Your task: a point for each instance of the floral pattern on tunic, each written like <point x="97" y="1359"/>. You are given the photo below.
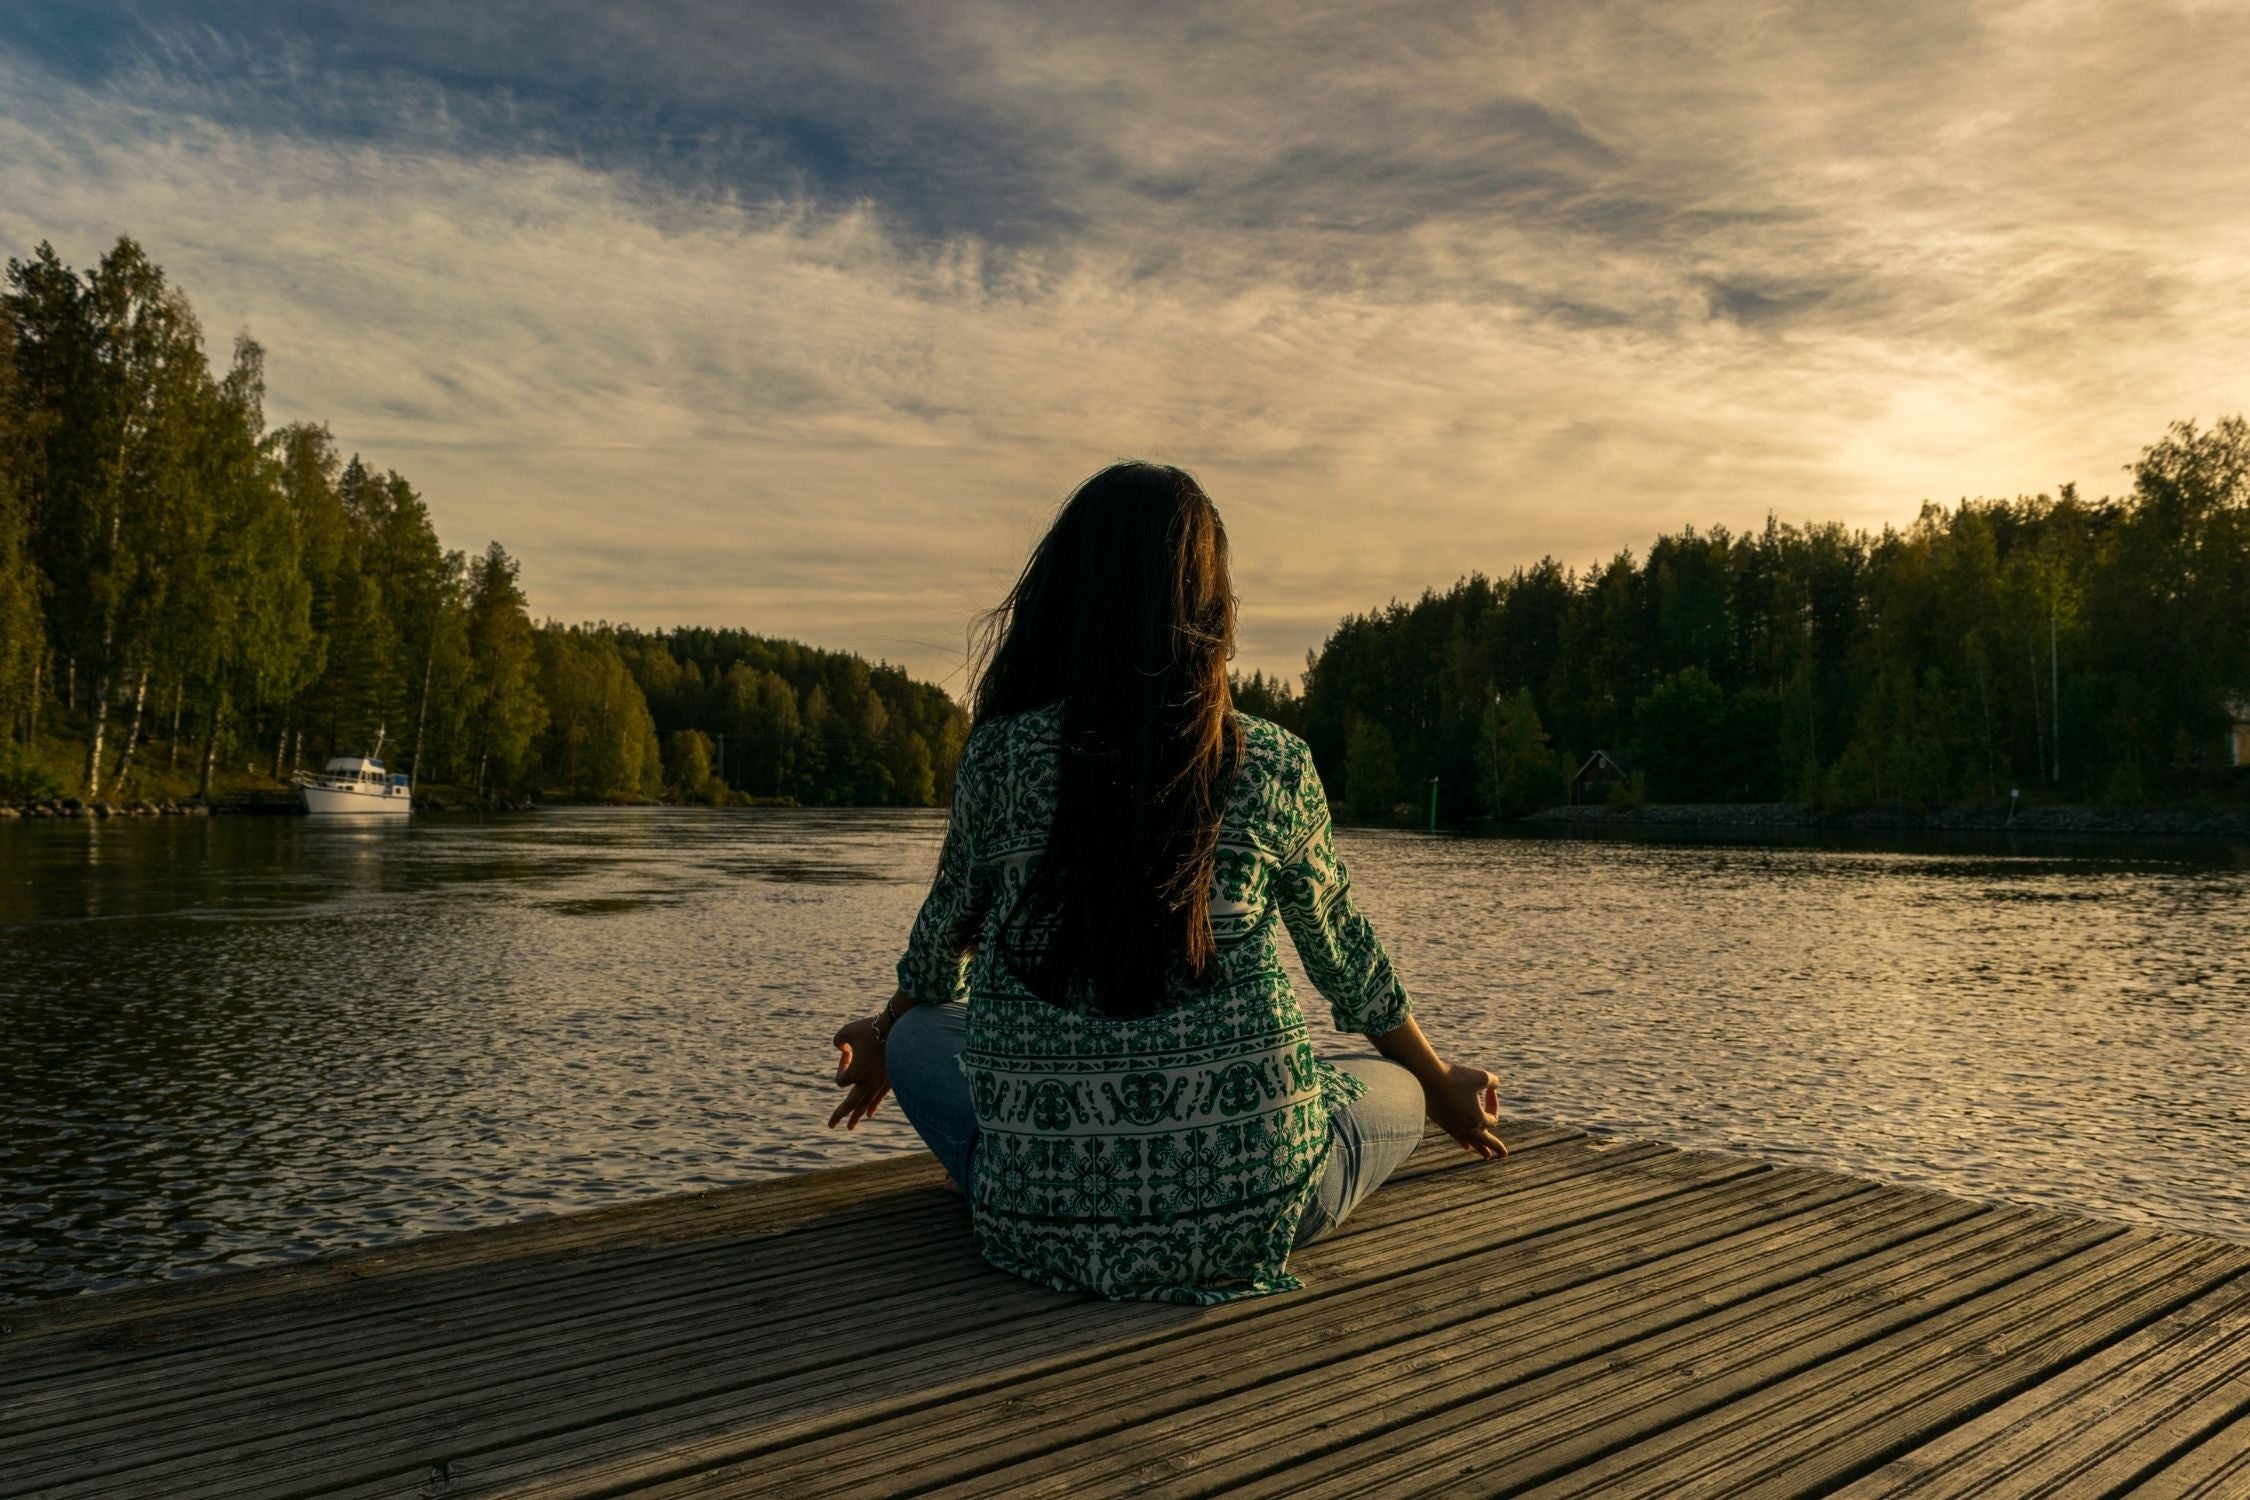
<point x="1167" y="1157"/>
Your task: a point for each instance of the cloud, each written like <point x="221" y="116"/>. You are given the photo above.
<point x="804" y="318"/>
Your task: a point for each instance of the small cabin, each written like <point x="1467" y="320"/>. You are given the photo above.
<point x="2234" y="743"/>
<point x="1603" y="769"/>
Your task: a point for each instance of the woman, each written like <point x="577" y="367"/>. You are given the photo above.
<point x="1092" y="1028"/>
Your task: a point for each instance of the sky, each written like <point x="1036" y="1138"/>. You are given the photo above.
<point x="804" y="318"/>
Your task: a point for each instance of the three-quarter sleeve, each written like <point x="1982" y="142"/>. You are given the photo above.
<point x="1341" y="953"/>
<point x="935" y="966"/>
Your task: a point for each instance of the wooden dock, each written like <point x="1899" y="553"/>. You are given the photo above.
<point x="1590" y="1316"/>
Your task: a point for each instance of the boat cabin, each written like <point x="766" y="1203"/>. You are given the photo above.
<point x="359" y="771"/>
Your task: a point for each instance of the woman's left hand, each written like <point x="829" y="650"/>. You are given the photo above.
<point x="863" y="1070"/>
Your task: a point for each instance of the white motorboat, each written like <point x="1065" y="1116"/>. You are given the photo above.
<point x="356" y="784"/>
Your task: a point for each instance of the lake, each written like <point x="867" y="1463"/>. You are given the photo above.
<point x="229" y="1042"/>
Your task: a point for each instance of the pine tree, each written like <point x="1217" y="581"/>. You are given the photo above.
<point x="23" y="642"/>
<point x="508" y="713"/>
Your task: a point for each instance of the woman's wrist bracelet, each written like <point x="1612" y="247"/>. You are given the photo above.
<point x="884" y="1021"/>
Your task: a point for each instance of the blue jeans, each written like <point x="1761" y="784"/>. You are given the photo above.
<point x="1367" y="1141"/>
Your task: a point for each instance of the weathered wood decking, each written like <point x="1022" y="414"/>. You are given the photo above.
<point x="1589" y="1316"/>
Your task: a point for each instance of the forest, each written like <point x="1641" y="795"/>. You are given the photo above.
<point x="2055" y="647"/>
<point x="191" y="600"/>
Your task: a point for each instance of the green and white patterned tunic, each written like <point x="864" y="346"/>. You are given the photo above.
<point x="1167" y="1157"/>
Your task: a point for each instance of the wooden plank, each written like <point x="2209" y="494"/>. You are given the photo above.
<point x="1378" y="1258"/>
<point x="2099" y="1424"/>
<point x="1591" y="1314"/>
<point x="591" y="1460"/>
<point x="1248" y="1445"/>
<point x="551" y="1261"/>
<point x="1440" y="1152"/>
<point x="306" y="1433"/>
<point x="1314" y="1384"/>
<point x="199" y="1403"/>
<point x="815" y="1265"/>
<point x="1825" y="1419"/>
<point x="595" y="1349"/>
<point x="756" y="1208"/>
<point x="2216" y="1468"/>
<point x="895" y="1218"/>
<point x="1580" y="1411"/>
<point x="1127" y="1397"/>
<point x="460" y="1307"/>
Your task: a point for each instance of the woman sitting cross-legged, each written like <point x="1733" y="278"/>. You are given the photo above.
<point x="1092" y="1029"/>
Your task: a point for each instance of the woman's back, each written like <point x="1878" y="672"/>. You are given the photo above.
<point x="1169" y="1155"/>
<point x="1129" y="1094"/>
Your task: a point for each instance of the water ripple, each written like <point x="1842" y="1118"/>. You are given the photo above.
<point x="234" y="1042"/>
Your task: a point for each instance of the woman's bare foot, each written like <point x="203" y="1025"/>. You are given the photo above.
<point x="950" y="1185"/>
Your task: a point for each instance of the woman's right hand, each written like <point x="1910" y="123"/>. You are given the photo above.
<point x="1465" y="1103"/>
<point x="863" y="1069"/>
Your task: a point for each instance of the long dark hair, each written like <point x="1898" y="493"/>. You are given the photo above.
<point x="1125" y="617"/>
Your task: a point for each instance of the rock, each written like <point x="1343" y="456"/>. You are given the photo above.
<point x="9" y="812"/>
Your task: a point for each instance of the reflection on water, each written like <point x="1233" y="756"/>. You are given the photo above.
<point x="237" y="1041"/>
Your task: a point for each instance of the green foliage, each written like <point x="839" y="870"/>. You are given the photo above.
<point x="1517" y="772"/>
<point x="1696" y="742"/>
<point x="599" y="742"/>
<point x="507" y="712"/>
<point x="23" y="778"/>
<point x="23" y="644"/>
<point x="259" y="597"/>
<point x="2076" y="649"/>
<point x="172" y="573"/>
<point x="1624" y="796"/>
<point x="1371" y="785"/>
<point x="822" y="728"/>
<point x="687" y="766"/>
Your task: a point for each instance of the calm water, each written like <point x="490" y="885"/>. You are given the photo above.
<point x="236" y="1041"/>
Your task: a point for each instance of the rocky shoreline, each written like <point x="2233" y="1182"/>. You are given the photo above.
<point x="71" y="807"/>
<point x="1787" y="815"/>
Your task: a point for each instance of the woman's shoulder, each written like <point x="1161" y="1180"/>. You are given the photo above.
<point x="1000" y="740"/>
<point x="1271" y="755"/>
<point x="1273" y="776"/>
<point x="1269" y="746"/>
<point x="1043" y="722"/>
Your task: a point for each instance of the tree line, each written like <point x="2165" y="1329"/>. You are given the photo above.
<point x="179" y="581"/>
<point x="2060" y="647"/>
